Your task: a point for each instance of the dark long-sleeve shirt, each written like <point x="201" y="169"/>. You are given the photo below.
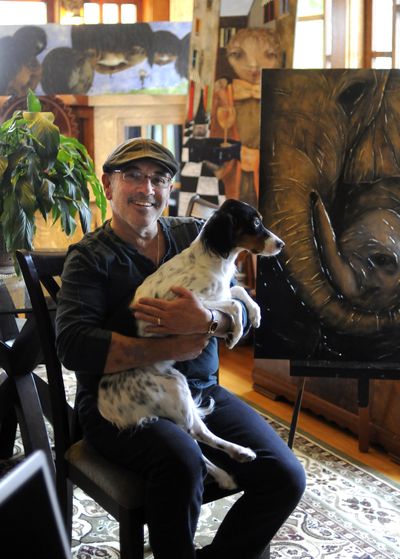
<point x="100" y="277"/>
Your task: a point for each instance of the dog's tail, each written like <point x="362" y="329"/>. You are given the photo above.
<point x="204" y="409"/>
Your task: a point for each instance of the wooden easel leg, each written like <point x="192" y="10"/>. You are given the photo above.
<point x="296" y="412"/>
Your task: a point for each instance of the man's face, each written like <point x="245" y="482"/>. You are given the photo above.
<point x="135" y="201"/>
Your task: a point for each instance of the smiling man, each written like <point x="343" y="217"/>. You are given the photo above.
<point x="96" y="335"/>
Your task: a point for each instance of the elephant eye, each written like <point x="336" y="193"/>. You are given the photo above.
<point x="350" y="97"/>
<point x="381" y="260"/>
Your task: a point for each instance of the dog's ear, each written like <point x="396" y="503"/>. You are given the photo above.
<point x="218" y="233"/>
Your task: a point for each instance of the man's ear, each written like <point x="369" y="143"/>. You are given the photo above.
<point x="105" y="179"/>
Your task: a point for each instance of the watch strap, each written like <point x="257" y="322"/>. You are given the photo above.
<point x="212" y="327"/>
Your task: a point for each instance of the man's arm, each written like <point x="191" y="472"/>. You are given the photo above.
<point x="125" y="352"/>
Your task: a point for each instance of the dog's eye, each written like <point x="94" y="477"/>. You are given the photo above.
<point x="257" y="222"/>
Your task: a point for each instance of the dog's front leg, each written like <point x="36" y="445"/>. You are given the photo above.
<point x="234" y="310"/>
<point x="252" y="307"/>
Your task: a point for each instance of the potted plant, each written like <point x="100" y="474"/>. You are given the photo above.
<point x="42" y="171"/>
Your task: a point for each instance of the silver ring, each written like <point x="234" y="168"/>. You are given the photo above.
<point x="158" y="321"/>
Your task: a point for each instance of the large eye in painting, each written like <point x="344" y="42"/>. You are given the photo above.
<point x="380" y="260"/>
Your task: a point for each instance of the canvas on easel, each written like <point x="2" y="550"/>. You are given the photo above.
<point x="221" y="143"/>
<point x="330" y="188"/>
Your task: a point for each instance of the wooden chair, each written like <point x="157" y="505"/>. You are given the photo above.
<point x="116" y="489"/>
<point x="200" y="207"/>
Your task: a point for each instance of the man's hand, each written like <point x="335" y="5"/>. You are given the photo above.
<point x="188" y="347"/>
<point x="184" y="314"/>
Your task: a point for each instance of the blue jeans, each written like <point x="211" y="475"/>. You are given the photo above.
<point x="171" y="464"/>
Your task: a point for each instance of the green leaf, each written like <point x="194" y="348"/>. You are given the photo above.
<point x="85" y="218"/>
<point x="25" y="194"/>
<point x="17" y="226"/>
<point x="45" y="134"/>
<point x="44" y="197"/>
<point x="68" y="223"/>
<point x="3" y="166"/>
<point x="32" y="102"/>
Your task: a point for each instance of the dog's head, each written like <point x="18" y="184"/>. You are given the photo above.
<point x="238" y="225"/>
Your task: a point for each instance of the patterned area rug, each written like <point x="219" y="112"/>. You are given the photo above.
<point x="346" y="512"/>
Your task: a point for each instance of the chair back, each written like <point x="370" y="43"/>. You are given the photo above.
<point x="40" y="270"/>
<point x="200" y="207"/>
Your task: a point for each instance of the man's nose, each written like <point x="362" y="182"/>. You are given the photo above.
<point x="146" y="185"/>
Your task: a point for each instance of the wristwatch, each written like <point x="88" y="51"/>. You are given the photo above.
<point x="212" y="327"/>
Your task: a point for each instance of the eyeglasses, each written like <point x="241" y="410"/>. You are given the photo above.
<point x="135" y="177"/>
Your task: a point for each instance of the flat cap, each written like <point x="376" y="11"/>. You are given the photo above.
<point x="140" y="148"/>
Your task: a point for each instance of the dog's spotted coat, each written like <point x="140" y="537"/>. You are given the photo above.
<point x="206" y="267"/>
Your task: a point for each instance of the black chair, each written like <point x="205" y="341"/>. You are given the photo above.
<point x="117" y="490"/>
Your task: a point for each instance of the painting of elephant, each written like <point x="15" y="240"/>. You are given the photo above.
<point x="330" y="188"/>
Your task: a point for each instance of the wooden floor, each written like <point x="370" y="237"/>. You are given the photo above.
<point x="235" y="374"/>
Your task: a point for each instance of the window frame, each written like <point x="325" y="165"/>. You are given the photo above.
<point x="369" y="54"/>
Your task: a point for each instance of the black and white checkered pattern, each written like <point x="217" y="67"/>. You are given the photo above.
<point x="197" y="178"/>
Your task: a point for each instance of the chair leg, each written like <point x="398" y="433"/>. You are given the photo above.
<point x="131" y="535"/>
<point x="30" y="417"/>
<point x="65" y="493"/>
<point x="8" y="418"/>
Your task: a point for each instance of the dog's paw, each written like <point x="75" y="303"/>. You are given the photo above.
<point x="254" y="315"/>
<point x="243" y="454"/>
<point x="232" y="338"/>
<point x="225" y="480"/>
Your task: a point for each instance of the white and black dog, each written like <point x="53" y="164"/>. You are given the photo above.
<point x="206" y="267"/>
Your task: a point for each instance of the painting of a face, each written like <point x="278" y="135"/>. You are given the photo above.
<point x="250" y="50"/>
<point x="110" y="62"/>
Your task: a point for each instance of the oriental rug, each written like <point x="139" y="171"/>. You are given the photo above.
<point x="347" y="511"/>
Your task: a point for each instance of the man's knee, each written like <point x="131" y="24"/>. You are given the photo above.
<point x="293" y="480"/>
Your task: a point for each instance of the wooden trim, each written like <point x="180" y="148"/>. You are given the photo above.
<point x="367" y="62"/>
<point x="53" y="11"/>
<point x="287" y="390"/>
<point x="155" y="10"/>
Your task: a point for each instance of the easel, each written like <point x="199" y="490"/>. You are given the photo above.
<point x="363" y="372"/>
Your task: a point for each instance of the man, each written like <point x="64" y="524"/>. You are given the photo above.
<point x="96" y="336"/>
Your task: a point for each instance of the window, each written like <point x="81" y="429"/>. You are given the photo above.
<point x="313" y="37"/>
<point x="25" y="13"/>
<point x="100" y="12"/>
<point x="382" y="34"/>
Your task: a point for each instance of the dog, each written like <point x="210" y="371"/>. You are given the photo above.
<point x="206" y="267"/>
